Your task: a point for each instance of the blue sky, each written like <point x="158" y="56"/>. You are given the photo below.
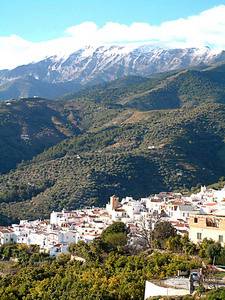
<point x="31" y="30"/>
<point x="38" y="20"/>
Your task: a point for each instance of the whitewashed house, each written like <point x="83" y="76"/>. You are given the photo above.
<point x="7" y="236"/>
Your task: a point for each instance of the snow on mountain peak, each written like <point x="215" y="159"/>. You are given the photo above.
<point x="96" y="64"/>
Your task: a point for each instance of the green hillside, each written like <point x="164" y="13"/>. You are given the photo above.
<point x="165" y="91"/>
<point x="29" y="126"/>
<point x="135" y="153"/>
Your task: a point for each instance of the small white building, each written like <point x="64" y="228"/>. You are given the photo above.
<point x="133" y="208"/>
<point x="7" y="235"/>
<point x="180" y="211"/>
<point x="154" y="204"/>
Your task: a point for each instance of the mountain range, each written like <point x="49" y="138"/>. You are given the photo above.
<point x="56" y="76"/>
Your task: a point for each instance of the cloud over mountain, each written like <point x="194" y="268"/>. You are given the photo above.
<point x="204" y="29"/>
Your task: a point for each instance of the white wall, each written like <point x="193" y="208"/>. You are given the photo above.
<point x="206" y="233"/>
<point x="153" y="290"/>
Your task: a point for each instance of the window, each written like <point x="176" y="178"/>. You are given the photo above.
<point x="221" y="238"/>
<point x="199" y="236"/>
<point x="212" y="222"/>
<point x="195" y="220"/>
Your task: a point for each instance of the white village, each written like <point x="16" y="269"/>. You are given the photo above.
<point x="200" y="215"/>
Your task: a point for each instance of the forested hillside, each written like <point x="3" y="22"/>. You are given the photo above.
<point x="30" y="126"/>
<point x="134" y="153"/>
<point x="163" y="91"/>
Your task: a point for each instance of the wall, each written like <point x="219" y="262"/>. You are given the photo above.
<point x="203" y="227"/>
<point x="153" y="290"/>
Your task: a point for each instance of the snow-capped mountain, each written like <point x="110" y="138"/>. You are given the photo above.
<point x="55" y="76"/>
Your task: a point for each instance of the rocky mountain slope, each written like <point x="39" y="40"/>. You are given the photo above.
<point x="54" y="76"/>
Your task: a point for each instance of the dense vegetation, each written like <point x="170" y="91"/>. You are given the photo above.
<point x="134" y="154"/>
<point x="163" y="91"/>
<point x="29" y="126"/>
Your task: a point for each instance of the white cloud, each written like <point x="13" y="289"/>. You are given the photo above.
<point x="205" y="29"/>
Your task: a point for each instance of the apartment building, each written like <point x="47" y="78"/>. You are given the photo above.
<point x="207" y="226"/>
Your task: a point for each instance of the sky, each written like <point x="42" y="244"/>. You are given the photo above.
<point x="33" y="29"/>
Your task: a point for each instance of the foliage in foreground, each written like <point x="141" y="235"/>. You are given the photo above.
<point x="111" y="271"/>
<point x="119" y="276"/>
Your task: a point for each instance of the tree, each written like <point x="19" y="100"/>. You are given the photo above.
<point x="203" y="247"/>
<point x="116" y="227"/>
<point x="162" y="231"/>
<point x="144" y="239"/>
<point x="213" y="251"/>
<point x="218" y="294"/>
<point x="115" y="235"/>
<point x="116" y="239"/>
<point x="221" y="259"/>
<point x="174" y="243"/>
<point x="187" y="246"/>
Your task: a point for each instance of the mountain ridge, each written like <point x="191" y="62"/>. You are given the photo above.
<point x="175" y="89"/>
<point x="94" y="65"/>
